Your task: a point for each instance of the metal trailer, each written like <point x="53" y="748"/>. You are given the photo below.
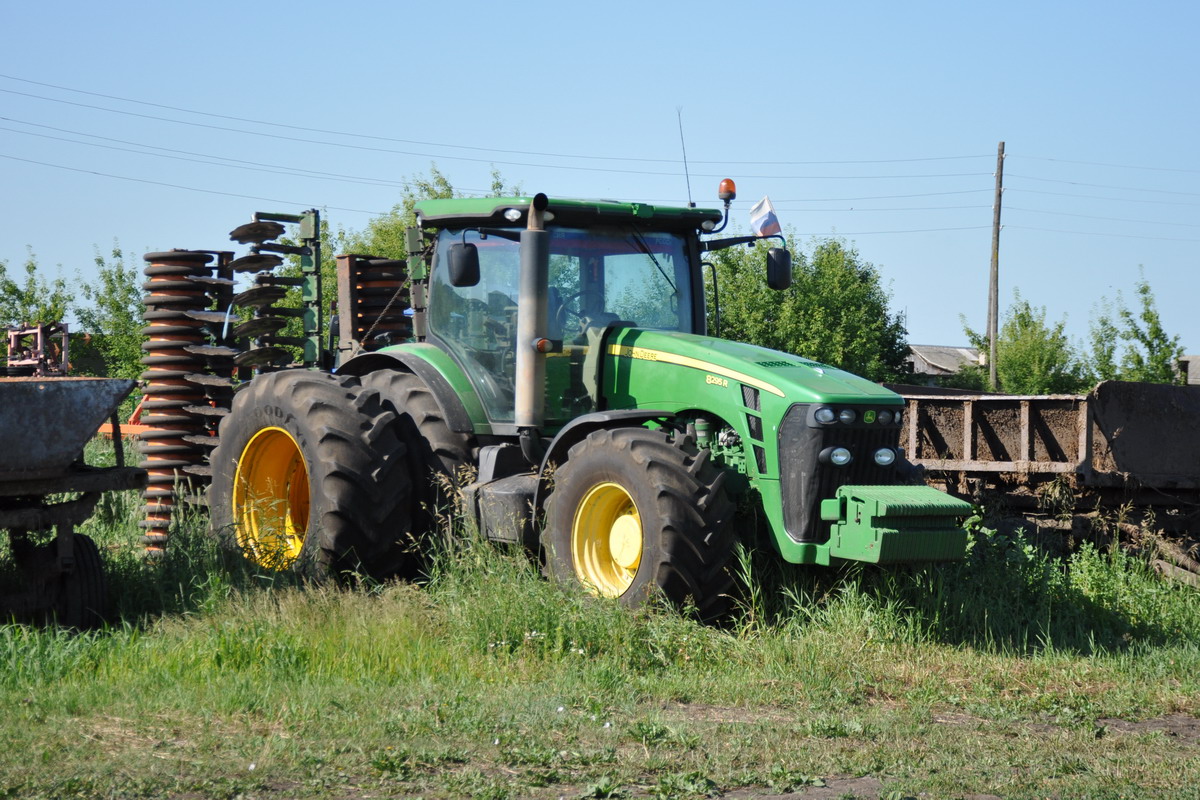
<point x="1122" y="442"/>
<point x="46" y="490"/>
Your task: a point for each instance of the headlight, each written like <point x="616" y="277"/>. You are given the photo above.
<point x="825" y="415"/>
<point x="885" y="456"/>
<point x="838" y="456"/>
<point x="884" y="417"/>
<point x="847" y="416"/>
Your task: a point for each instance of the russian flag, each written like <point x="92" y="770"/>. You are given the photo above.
<point x="763" y="220"/>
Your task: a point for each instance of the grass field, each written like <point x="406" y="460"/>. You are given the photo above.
<point x="1011" y="674"/>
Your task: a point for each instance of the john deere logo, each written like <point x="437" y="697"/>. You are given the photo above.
<point x="868" y="416"/>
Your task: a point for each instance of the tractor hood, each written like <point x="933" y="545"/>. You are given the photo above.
<point x="707" y="363"/>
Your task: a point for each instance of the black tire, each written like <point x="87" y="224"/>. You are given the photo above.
<point x="437" y="454"/>
<point x="681" y="511"/>
<point x="83" y="592"/>
<point x="315" y="456"/>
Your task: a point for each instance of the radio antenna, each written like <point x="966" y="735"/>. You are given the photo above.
<point x="683" y="147"/>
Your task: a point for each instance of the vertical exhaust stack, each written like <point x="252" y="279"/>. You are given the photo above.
<point x="531" y="328"/>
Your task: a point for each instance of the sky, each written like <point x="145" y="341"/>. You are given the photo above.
<point x="161" y="125"/>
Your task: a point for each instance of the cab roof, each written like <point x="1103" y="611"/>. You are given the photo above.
<point x="454" y="212"/>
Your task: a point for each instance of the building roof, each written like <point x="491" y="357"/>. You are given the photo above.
<point x="934" y="359"/>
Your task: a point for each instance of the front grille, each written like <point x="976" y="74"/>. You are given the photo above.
<point x="862" y="442"/>
<point x="805" y="481"/>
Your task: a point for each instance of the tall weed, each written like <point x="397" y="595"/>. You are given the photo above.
<point x="1008" y="595"/>
<point x="500" y="605"/>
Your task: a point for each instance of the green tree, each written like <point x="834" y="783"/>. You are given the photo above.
<point x="1104" y="336"/>
<point x="384" y="235"/>
<point x="36" y="300"/>
<point x="113" y="314"/>
<point x="1151" y="354"/>
<point x="836" y="310"/>
<point x="1033" y="356"/>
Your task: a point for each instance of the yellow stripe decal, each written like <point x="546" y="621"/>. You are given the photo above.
<point x="644" y="354"/>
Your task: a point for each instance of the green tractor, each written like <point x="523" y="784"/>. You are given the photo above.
<point x="557" y="381"/>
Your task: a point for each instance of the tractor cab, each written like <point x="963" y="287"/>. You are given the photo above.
<point x="614" y="275"/>
<point x="609" y="265"/>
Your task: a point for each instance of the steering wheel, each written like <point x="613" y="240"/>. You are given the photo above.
<point x="564" y="309"/>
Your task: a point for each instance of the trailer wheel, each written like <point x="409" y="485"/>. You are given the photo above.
<point x="436" y="453"/>
<point x="309" y="476"/>
<point x="83" y="592"/>
<point x="633" y="512"/>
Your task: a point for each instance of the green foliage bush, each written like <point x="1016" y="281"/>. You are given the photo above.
<point x="1034" y="356"/>
<point x="836" y="310"/>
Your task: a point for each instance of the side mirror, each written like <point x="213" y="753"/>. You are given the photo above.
<point x="779" y="268"/>
<point x="464" y="264"/>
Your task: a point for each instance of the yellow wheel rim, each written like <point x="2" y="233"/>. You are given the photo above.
<point x="270" y="499"/>
<point x="606" y="540"/>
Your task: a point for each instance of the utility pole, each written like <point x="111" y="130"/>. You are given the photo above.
<point x="994" y="280"/>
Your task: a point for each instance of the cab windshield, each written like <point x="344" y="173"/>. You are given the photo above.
<point x="616" y="275"/>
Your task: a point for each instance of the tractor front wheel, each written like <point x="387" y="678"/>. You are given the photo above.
<point x="310" y="476"/>
<point x="635" y="512"/>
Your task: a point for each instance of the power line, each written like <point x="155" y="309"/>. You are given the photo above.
<point x="190" y="153"/>
<point x="189" y="188"/>
<point x="1115" y="166"/>
<point x="379" y="213"/>
<point x="910" y="208"/>
<point x="289" y="170"/>
<point x="1106" y="186"/>
<point x="1098" y="233"/>
<point x="279" y="169"/>
<point x="274" y="169"/>
<point x="477" y="160"/>
<point x="874" y="197"/>
<point x="1099" y="197"/>
<point x="1106" y="219"/>
<point x="358" y="135"/>
<point x="918" y="230"/>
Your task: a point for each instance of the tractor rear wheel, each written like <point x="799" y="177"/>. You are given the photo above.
<point x="310" y="476"/>
<point x="436" y="453"/>
<point x="635" y="512"/>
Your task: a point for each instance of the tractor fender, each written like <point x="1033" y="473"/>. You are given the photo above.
<point x="452" y="408"/>
<point x="579" y="428"/>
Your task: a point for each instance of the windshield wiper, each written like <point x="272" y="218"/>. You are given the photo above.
<point x="640" y="242"/>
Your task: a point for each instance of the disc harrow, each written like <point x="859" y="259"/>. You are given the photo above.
<point x="184" y="351"/>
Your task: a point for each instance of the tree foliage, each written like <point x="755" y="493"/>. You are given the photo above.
<point x="1104" y="337"/>
<point x="384" y="235"/>
<point x="113" y="314"/>
<point x="30" y="301"/>
<point x="34" y="300"/>
<point x="1149" y="354"/>
<point x="1036" y="357"/>
<point x="836" y="310"/>
<point x="1032" y="355"/>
